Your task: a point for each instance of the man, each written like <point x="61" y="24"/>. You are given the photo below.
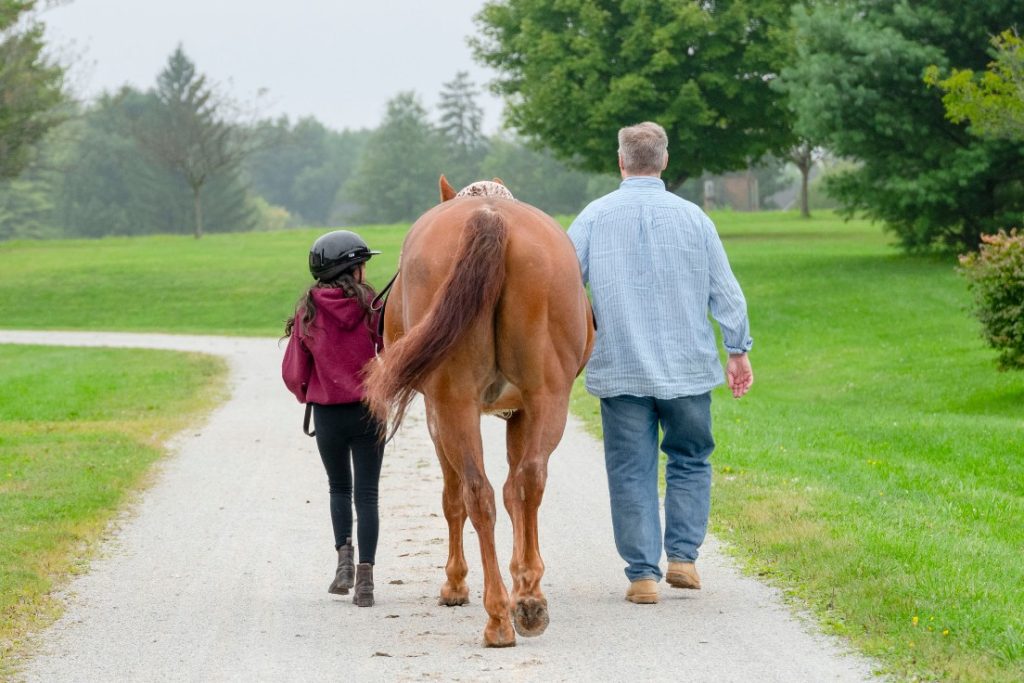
<point x="656" y="266"/>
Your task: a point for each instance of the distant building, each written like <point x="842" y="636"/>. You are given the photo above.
<point x="737" y="191"/>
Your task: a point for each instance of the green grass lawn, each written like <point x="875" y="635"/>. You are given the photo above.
<point x="236" y="284"/>
<point x="875" y="470"/>
<point x="78" y="431"/>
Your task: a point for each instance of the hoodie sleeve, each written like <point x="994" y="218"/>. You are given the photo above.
<point x="297" y="366"/>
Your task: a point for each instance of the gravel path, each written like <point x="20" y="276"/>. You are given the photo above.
<point x="220" y="571"/>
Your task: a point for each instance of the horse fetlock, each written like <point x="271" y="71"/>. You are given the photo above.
<point x="453" y="596"/>
<point x="499" y="633"/>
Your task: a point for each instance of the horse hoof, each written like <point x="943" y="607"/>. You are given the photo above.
<point x="453" y="598"/>
<point x="531" y="616"/>
<point x="501" y="635"/>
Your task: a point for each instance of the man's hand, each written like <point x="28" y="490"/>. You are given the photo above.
<point x="738" y="374"/>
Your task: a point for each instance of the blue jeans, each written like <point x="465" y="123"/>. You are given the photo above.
<point x="631" y="457"/>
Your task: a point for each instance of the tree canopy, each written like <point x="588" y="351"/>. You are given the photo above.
<point x="993" y="102"/>
<point x="396" y="178"/>
<point x="857" y="85"/>
<point x="31" y="86"/>
<point x="575" y="71"/>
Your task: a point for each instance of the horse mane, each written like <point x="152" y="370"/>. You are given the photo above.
<point x="470" y="290"/>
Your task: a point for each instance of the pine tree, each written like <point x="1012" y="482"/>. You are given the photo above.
<point x="31" y="86"/>
<point x="189" y="133"/>
<point x="461" y="119"/>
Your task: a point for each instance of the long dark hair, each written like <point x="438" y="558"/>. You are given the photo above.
<point x="305" y="307"/>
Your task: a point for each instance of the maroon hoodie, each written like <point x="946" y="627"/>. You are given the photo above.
<point x="324" y="363"/>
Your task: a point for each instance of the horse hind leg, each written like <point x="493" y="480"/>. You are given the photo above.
<point x="455" y="591"/>
<point x="532" y="435"/>
<point x="459" y="429"/>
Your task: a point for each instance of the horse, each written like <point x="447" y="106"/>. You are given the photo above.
<point x="487" y="315"/>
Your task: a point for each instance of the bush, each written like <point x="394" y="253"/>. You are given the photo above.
<point x="995" y="275"/>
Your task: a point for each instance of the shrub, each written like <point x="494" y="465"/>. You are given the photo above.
<point x="995" y="276"/>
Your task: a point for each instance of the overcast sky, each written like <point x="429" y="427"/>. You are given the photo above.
<point x="339" y="61"/>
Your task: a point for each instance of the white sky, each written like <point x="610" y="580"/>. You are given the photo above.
<point x="339" y="61"/>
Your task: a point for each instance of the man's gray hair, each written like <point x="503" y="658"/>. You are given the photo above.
<point x="643" y="148"/>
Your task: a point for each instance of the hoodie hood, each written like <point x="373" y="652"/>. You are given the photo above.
<point x="343" y="311"/>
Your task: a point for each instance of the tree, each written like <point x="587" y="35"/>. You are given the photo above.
<point x="994" y="102"/>
<point x="31" y="86"/>
<point x="189" y="133"/>
<point x="302" y="166"/>
<point x="575" y="71"/>
<point x="856" y="86"/>
<point x="460" y="124"/>
<point x="536" y="177"/>
<point x="804" y="155"/>
<point x="396" y="178"/>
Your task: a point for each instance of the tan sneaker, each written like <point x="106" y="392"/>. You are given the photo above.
<point x="643" y="592"/>
<point x="682" y="575"/>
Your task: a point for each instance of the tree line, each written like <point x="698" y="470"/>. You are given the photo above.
<point x="734" y="82"/>
<point x="177" y="158"/>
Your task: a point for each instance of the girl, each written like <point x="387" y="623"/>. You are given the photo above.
<point x="331" y="338"/>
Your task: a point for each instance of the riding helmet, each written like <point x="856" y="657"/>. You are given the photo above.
<point x="334" y="253"/>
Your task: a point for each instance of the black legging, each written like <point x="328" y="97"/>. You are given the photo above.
<point x="347" y="432"/>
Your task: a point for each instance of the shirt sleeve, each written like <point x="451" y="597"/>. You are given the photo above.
<point x="579" y="233"/>
<point x="728" y="306"/>
<point x="297" y="365"/>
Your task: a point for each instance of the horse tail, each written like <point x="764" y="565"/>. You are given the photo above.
<point x="470" y="290"/>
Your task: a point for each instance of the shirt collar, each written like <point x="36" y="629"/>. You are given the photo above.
<point x="643" y="181"/>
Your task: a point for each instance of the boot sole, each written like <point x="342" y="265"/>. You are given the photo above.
<point x="681" y="582"/>
<point x="643" y="599"/>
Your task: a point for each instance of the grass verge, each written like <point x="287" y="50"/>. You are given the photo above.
<point x="79" y="429"/>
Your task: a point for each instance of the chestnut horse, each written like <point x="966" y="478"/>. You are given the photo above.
<point x="488" y="315"/>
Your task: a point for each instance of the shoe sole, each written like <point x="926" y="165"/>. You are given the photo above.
<point x="677" y="581"/>
<point x="643" y="599"/>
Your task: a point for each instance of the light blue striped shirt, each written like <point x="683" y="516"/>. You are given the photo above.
<point x="655" y="265"/>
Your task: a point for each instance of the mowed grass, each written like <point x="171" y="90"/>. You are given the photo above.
<point x="79" y="429"/>
<point x="234" y="284"/>
<point x="875" y="471"/>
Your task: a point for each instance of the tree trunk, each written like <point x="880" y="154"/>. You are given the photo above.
<point x="197" y="206"/>
<point x="805" y="206"/>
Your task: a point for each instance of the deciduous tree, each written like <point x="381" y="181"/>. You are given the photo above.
<point x="992" y="102"/>
<point x="575" y="71"/>
<point x="396" y="178"/>
<point x="857" y="87"/>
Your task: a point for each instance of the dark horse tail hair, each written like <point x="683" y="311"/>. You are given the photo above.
<point x="470" y="290"/>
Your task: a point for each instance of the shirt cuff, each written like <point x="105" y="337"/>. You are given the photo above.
<point x="747" y="345"/>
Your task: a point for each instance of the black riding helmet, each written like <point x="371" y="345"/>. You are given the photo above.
<point x="334" y="253"/>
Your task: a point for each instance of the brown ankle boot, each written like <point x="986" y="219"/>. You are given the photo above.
<point x="683" y="575"/>
<point x="363" y="596"/>
<point x="344" y="575"/>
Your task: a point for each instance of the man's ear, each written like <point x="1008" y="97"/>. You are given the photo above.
<point x="447" y="191"/>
